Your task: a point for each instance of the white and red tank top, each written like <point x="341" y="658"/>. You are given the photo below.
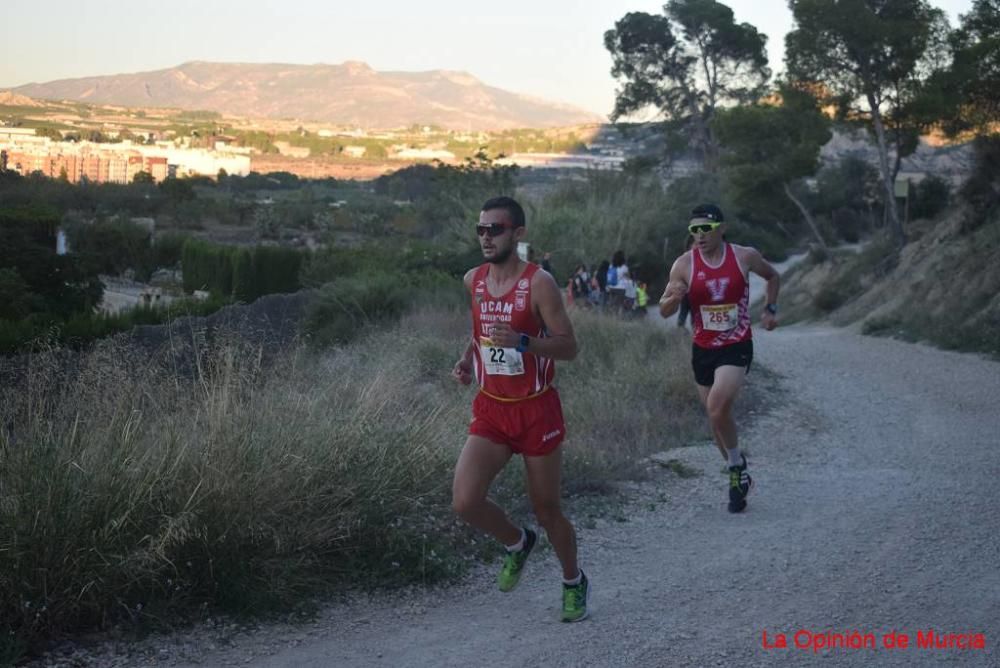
<point x="720" y="300"/>
<point x="505" y="373"/>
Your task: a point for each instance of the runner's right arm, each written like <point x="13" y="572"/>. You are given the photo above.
<point x="462" y="371"/>
<point x="677" y="287"/>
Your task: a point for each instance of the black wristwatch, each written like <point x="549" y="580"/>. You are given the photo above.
<point x="522" y="346"/>
<point x="772" y="309"/>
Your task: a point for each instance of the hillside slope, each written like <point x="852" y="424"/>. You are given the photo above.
<point x="944" y="288"/>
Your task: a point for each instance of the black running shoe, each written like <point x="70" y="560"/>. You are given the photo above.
<point x="740" y="484"/>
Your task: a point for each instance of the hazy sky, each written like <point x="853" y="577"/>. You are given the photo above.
<point x="552" y="48"/>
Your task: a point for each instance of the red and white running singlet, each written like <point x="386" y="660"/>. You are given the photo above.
<point x="504" y="373"/>
<point x="720" y="300"/>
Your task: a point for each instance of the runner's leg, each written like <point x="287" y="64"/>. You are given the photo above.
<point x="719" y="404"/>
<point x="728" y="381"/>
<point x="703" y="394"/>
<point x="480" y="462"/>
<point x="544" y="476"/>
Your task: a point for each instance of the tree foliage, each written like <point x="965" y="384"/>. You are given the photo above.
<point x="59" y="285"/>
<point x="969" y="87"/>
<point x="767" y="148"/>
<point x="686" y="64"/>
<point x="447" y="197"/>
<point x="878" y="52"/>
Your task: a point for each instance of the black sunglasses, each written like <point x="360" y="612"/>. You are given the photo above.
<point x="493" y="229"/>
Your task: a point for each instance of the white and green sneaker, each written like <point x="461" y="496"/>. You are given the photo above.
<point x="513" y="563"/>
<point x="574" y="603"/>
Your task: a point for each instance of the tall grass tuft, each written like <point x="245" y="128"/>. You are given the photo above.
<point x="629" y="393"/>
<point x="130" y="492"/>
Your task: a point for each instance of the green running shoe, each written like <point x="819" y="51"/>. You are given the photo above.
<point x="513" y="563"/>
<point x="574" y="607"/>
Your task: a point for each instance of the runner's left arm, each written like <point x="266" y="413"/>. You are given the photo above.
<point x="560" y="341"/>
<point x="758" y="265"/>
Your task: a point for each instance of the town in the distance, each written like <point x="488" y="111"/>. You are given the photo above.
<point x="60" y="131"/>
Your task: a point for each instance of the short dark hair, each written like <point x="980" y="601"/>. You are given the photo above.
<point x="508" y="204"/>
<point x="709" y="211"/>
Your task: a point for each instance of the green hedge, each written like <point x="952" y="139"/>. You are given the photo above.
<point x="336" y="263"/>
<point x="242" y="273"/>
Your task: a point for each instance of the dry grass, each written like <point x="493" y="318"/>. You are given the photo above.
<point x="129" y="491"/>
<point x="628" y="394"/>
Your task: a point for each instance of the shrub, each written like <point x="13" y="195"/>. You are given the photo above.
<point x="834" y="295"/>
<point x="348" y="307"/>
<point x="847" y="223"/>
<point x="930" y="197"/>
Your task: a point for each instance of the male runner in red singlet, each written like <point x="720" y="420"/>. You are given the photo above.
<point x="519" y="328"/>
<point x="714" y="275"/>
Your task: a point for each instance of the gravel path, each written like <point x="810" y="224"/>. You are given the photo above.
<point x="876" y="510"/>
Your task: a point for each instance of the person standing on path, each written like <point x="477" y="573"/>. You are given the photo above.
<point x="714" y="276"/>
<point x="520" y="327"/>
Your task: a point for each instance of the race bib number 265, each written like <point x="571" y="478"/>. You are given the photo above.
<point x="719" y="318"/>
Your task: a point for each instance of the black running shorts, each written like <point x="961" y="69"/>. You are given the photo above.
<point x="705" y="361"/>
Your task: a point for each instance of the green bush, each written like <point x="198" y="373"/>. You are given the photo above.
<point x="168" y="249"/>
<point x="848" y="224"/>
<point x="112" y="246"/>
<point x="770" y="245"/>
<point x="352" y="306"/>
<point x="930" y="197"/>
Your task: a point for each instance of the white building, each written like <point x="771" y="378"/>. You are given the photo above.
<point x="422" y="154"/>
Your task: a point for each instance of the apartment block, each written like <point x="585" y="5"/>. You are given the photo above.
<point x="26" y="153"/>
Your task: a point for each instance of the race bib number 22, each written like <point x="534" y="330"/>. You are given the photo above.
<point x="500" y="361"/>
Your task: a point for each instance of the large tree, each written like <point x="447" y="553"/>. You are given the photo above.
<point x="969" y="87"/>
<point x="686" y="64"/>
<point x="59" y="285"/>
<point x="768" y="148"/>
<point x="873" y="57"/>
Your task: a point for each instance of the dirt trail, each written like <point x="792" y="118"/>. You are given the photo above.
<point x="877" y="510"/>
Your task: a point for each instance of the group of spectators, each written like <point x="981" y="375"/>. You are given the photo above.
<point x="610" y="287"/>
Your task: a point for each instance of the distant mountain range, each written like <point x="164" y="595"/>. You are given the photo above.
<point x="351" y="93"/>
